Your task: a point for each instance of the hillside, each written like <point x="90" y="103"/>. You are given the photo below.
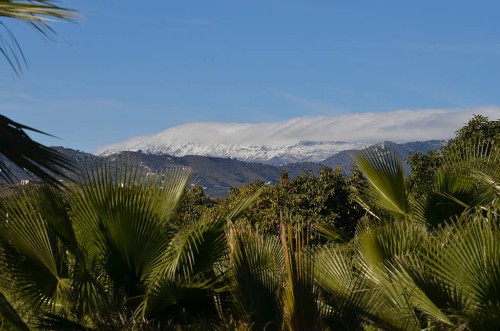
<point x="217" y="175"/>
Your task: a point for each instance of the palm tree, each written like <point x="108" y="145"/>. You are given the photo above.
<point x="467" y="178"/>
<point x="111" y="253"/>
<point x="15" y="144"/>
<point x="403" y="276"/>
<point x="428" y="260"/>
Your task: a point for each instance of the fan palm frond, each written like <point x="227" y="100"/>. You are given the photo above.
<point x="384" y="170"/>
<point x="377" y="245"/>
<point x="348" y="300"/>
<point x="181" y="301"/>
<point x="381" y="249"/>
<point x="9" y="317"/>
<point x="257" y="274"/>
<point x="190" y="258"/>
<point x="37" y="13"/>
<point x="29" y="155"/>
<point x="199" y="244"/>
<point x="50" y="321"/>
<point x="466" y="179"/>
<point x="33" y="256"/>
<point x="122" y="218"/>
<point x="452" y="193"/>
<point x="299" y="299"/>
<point x="465" y="254"/>
<point x="54" y="207"/>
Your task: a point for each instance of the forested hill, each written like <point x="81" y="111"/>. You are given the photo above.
<point x="218" y="175"/>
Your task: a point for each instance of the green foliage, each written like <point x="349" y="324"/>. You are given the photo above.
<point x="461" y="177"/>
<point x="478" y="132"/>
<point x="479" y="128"/>
<point x="193" y="204"/>
<point x="384" y="170"/>
<point x="306" y="199"/>
<point x="423" y="168"/>
<point x="255" y="278"/>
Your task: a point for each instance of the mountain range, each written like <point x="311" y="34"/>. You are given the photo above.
<point x="303" y="151"/>
<point x="304" y="139"/>
<point x="217" y="175"/>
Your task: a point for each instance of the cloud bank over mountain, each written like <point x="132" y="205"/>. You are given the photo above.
<point x="304" y="138"/>
<point x="397" y="126"/>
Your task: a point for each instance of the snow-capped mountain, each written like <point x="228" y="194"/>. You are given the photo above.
<point x="302" y="151"/>
<point x="300" y="139"/>
<point x="296" y="140"/>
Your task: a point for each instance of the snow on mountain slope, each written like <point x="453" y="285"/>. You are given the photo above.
<point x="301" y="139"/>
<point x="302" y="151"/>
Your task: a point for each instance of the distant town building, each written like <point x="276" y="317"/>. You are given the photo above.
<point x="25" y="181"/>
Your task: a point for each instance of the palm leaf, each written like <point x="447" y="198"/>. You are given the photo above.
<point x="51" y="203"/>
<point x="49" y="321"/>
<point x="452" y="194"/>
<point x="301" y="311"/>
<point x="15" y="144"/>
<point x="122" y="218"/>
<point x="348" y="301"/>
<point x="380" y="249"/>
<point x="29" y="155"/>
<point x="466" y="255"/>
<point x="466" y="179"/>
<point x="377" y="245"/>
<point x="451" y="299"/>
<point x="199" y="244"/>
<point x="9" y="316"/>
<point x="191" y="258"/>
<point x="182" y="302"/>
<point x="331" y="233"/>
<point x="257" y="275"/>
<point x="399" y="284"/>
<point x="37" y="13"/>
<point x="384" y="170"/>
<point x="33" y="256"/>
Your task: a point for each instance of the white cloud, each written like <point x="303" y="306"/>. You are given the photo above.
<point x="397" y="126"/>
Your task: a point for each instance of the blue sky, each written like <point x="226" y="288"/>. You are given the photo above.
<point x="127" y="69"/>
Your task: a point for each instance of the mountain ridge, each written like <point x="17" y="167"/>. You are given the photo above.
<point x="217" y="175"/>
<point x="303" y="151"/>
<point x="313" y="138"/>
